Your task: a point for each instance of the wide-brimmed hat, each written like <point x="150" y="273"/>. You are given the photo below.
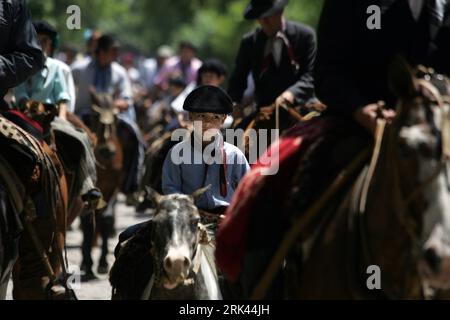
<point x="208" y="99"/>
<point x="263" y="8"/>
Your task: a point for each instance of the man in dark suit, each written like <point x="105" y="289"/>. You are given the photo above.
<point x="280" y="55"/>
<point x="353" y="59"/>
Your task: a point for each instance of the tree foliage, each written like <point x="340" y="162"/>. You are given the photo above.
<point x="215" y="26"/>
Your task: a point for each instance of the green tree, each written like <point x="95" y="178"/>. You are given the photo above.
<point x="215" y="26"/>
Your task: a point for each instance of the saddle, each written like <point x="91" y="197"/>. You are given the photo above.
<point x="22" y="150"/>
<point x="133" y="258"/>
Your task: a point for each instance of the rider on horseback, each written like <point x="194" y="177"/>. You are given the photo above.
<point x="51" y="86"/>
<point x="280" y="55"/>
<point x="106" y="76"/>
<point x="20" y="58"/>
<point x="351" y="77"/>
<point x="207" y="107"/>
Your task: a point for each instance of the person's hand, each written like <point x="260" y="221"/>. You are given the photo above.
<point x="286" y="97"/>
<point x="237" y="112"/>
<point x="266" y="112"/>
<point x="367" y="116"/>
<point x="63" y="110"/>
<point x="121" y="104"/>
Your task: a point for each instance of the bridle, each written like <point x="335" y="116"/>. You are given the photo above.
<point x="428" y="91"/>
<point x="202" y="238"/>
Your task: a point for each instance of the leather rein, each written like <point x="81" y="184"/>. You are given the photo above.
<point x="407" y="224"/>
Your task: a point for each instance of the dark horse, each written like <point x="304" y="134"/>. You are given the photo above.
<point x="387" y="235"/>
<point x="9" y="237"/>
<point x="109" y="153"/>
<point x="170" y="258"/>
<point x="38" y="189"/>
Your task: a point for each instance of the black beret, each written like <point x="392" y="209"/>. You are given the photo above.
<point x="208" y="99"/>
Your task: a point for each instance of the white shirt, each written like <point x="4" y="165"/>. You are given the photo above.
<point x="416" y="8"/>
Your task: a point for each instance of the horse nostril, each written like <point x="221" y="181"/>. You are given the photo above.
<point x="168" y="263"/>
<point x="187" y="262"/>
<point x="433" y="259"/>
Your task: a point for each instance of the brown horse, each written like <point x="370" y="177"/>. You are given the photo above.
<point x="44" y="114"/>
<point x="109" y="153"/>
<point x="388" y="236"/>
<point x="44" y="212"/>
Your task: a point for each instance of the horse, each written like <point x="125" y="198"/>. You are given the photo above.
<point x="40" y="187"/>
<point x="170" y="258"/>
<point x="388" y="218"/>
<point x="109" y="153"/>
<point x="67" y="148"/>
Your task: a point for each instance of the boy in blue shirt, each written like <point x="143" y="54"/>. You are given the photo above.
<point x="185" y="169"/>
<point x="205" y="159"/>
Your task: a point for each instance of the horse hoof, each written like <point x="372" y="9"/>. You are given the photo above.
<point x="88" y="276"/>
<point x="103" y="269"/>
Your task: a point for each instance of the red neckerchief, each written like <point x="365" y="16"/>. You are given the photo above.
<point x="223" y="172"/>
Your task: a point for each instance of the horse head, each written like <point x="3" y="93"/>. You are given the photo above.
<point x="420" y="143"/>
<point x="175" y="236"/>
<point x="42" y="113"/>
<point x="104" y="122"/>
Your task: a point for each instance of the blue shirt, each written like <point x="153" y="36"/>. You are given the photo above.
<point x="47" y="86"/>
<point x="191" y="175"/>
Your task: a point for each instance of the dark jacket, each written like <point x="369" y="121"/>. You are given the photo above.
<point x="352" y="61"/>
<point x="20" y="54"/>
<point x="276" y="80"/>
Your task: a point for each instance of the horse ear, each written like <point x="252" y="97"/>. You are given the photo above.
<point x="401" y="78"/>
<point x="153" y="195"/>
<point x="197" y="194"/>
